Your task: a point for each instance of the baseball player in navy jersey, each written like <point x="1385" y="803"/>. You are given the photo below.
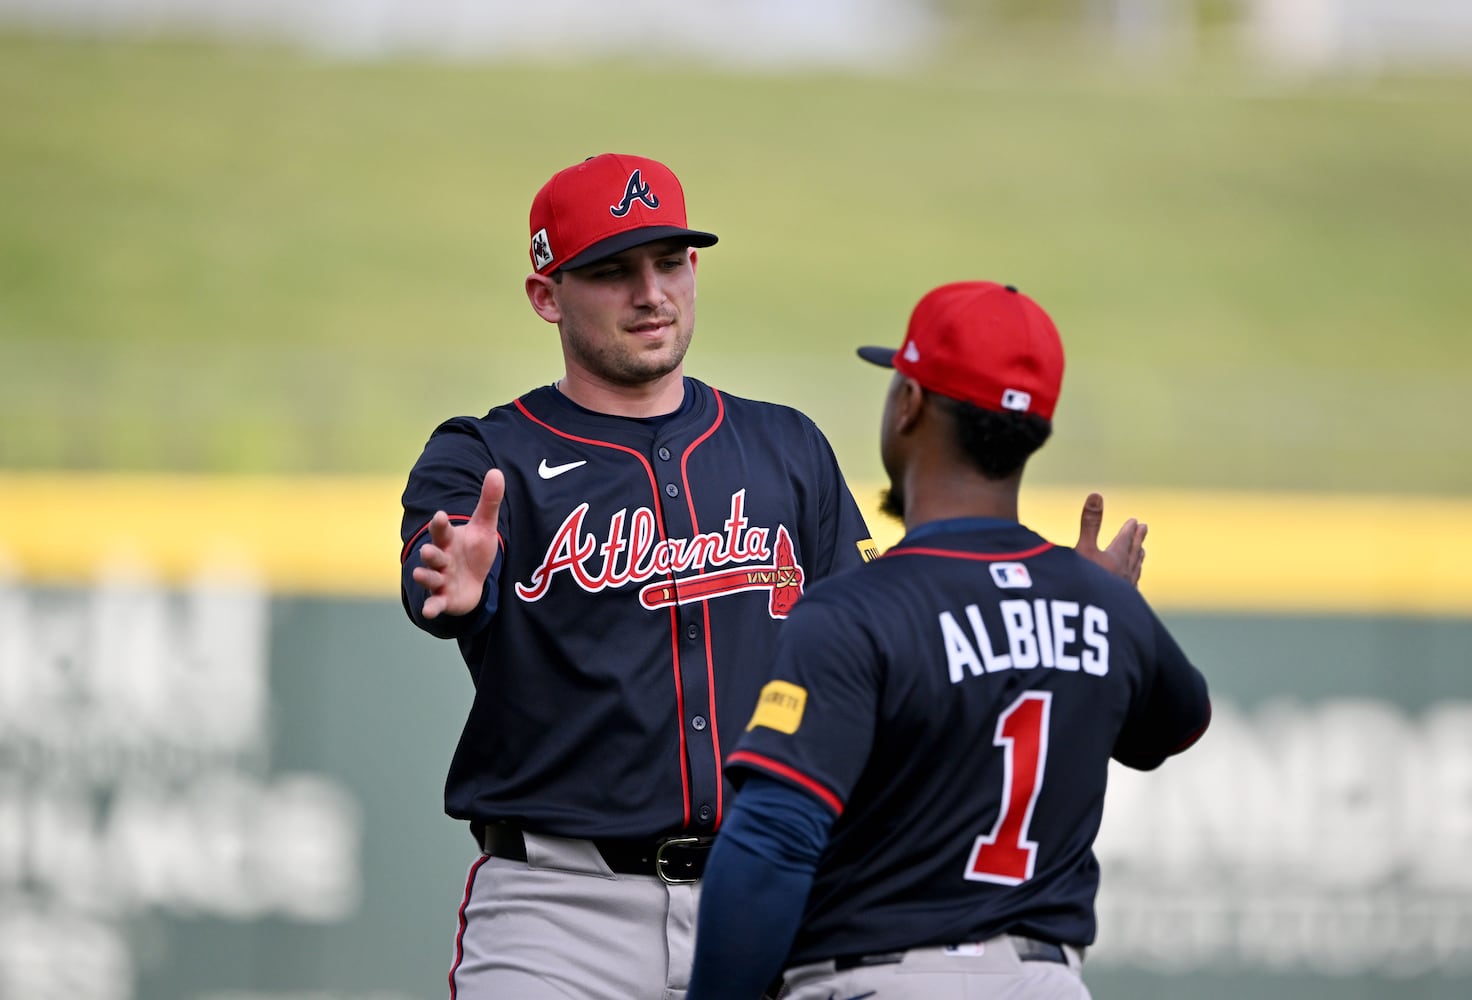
<point x="614" y="553"/>
<point x="923" y="777"/>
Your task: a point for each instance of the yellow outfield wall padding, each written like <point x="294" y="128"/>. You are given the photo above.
<point x="1250" y="551"/>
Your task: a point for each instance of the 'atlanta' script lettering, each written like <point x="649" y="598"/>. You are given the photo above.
<point x="631" y="552"/>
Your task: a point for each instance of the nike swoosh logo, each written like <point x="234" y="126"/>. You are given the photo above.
<point x="553" y="471"/>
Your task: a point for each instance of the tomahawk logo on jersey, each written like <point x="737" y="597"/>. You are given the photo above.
<point x="679" y="584"/>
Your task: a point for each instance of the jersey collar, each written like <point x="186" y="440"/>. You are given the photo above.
<point x="957" y="525"/>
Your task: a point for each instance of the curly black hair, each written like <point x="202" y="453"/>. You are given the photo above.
<point x="997" y="443"/>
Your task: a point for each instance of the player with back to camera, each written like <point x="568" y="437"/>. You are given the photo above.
<point x="923" y="777"/>
<point x="614" y="554"/>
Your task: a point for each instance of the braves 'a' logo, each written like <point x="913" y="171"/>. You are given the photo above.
<point x="634" y="190"/>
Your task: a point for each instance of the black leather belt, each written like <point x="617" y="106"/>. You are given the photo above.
<point x="1028" y="950"/>
<point x="676" y="860"/>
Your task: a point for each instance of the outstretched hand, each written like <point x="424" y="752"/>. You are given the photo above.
<point x="457" y="558"/>
<point x="1125" y="556"/>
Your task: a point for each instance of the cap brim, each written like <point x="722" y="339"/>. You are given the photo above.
<point x="637" y="238"/>
<point x="881" y="356"/>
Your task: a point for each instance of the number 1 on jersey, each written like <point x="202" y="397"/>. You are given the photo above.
<point x="1005" y="855"/>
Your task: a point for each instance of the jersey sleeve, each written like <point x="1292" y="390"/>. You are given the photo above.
<point x="1172" y="710"/>
<point x="813" y="724"/>
<point x="447" y="477"/>
<point x="846" y="536"/>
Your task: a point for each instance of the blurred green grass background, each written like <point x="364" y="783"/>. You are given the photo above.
<point x="248" y="259"/>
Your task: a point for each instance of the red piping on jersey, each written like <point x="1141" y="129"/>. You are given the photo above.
<point x="771" y="766"/>
<point x="978" y="556"/>
<point x="674" y="608"/>
<point x="460" y="933"/>
<point x="1196" y="735"/>
<point x="710" y="663"/>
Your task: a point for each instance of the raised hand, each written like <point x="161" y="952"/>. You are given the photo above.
<point x="457" y="558"/>
<point x="1125" y="556"/>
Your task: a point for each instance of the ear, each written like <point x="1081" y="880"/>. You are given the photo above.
<point x="694" y="258"/>
<point x="541" y="292"/>
<point x="907" y="403"/>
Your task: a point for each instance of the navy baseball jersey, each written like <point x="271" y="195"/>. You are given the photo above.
<point x="645" y="568"/>
<point x="956" y="704"/>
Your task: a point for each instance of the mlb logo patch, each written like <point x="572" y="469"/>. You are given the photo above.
<point x="1011" y="575"/>
<point x="1016" y="399"/>
<point x="541" y="249"/>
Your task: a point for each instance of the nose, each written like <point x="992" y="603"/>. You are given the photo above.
<point x="649" y="285"/>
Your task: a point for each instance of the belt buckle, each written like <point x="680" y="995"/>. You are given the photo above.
<point x="660" y="860"/>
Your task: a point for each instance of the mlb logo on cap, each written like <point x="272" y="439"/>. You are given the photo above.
<point x="605" y="205"/>
<point x="1016" y="399"/>
<point x="982" y="343"/>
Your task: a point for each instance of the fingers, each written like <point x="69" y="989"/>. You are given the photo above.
<point x="455" y="561"/>
<point x="1124" y="539"/>
<point x="1090" y="521"/>
<point x="440" y="531"/>
<point x="430" y="579"/>
<point x="433" y="556"/>
<point x="492" y="490"/>
<point x="1129" y="546"/>
<point x="1125" y="554"/>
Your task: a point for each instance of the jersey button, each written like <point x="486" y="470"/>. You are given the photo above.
<point x="664" y="454"/>
<point x="704" y="814"/>
<point x="698" y="723"/>
<point x="671" y="490"/>
<point x="691" y="631"/>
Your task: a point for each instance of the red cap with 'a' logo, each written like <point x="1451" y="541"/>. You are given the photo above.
<point x="605" y="205"/>
<point x="982" y="343"/>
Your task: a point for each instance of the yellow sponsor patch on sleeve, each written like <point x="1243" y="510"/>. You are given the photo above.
<point x="868" y="550"/>
<point x="780" y="707"/>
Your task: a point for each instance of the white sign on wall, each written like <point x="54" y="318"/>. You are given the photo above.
<point x="1331" y="837"/>
<point x="135" y="779"/>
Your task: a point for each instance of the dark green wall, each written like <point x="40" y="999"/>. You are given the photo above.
<point x="369" y="710"/>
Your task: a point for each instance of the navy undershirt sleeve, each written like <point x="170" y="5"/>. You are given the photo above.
<point x="755" y="888"/>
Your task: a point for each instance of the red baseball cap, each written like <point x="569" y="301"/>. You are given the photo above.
<point x="982" y="343"/>
<point x="605" y="205"/>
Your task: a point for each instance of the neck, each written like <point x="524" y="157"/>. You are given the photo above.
<point x="941" y="496"/>
<point x="649" y="399"/>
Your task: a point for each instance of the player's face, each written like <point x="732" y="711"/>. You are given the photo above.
<point x="628" y="320"/>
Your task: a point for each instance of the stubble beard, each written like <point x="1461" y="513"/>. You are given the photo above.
<point x="892" y="503"/>
<point x="621" y="363"/>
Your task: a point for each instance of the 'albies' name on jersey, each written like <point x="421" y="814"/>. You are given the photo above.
<point x="1026" y="634"/>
